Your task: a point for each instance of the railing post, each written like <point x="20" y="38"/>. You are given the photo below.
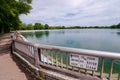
<point x="36" y="55"/>
<point x="43" y="53"/>
<point x="46" y="55"/>
<point x="111" y="69"/>
<point x="39" y="55"/>
<point x="102" y="68"/>
<point x="79" y="70"/>
<point x="12" y="44"/>
<point x="61" y="60"/>
<point x="12" y="47"/>
<point x="67" y="60"/>
<point x="52" y="58"/>
<point x="93" y="73"/>
<point x="85" y="71"/>
<point x="56" y="59"/>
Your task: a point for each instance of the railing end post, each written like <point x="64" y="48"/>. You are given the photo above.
<point x="36" y="56"/>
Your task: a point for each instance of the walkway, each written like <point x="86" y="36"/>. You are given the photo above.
<point x="8" y="68"/>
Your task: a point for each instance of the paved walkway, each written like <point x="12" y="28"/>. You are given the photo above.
<point x="8" y="68"/>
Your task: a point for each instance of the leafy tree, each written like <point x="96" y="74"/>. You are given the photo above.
<point x="38" y="26"/>
<point x="46" y="26"/>
<point x="26" y="27"/>
<point x="10" y="11"/>
<point x="63" y="27"/>
<point x="118" y="26"/>
<point x="22" y="26"/>
<point x="113" y="26"/>
<point x="30" y="27"/>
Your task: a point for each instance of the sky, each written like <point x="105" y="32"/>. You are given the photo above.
<point x="74" y="12"/>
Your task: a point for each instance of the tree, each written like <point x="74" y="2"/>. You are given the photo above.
<point x="10" y="11"/>
<point x="22" y="26"/>
<point x="30" y="27"/>
<point x="46" y="26"/>
<point x="118" y="26"/>
<point x="63" y="27"/>
<point x="38" y="26"/>
<point x="113" y="26"/>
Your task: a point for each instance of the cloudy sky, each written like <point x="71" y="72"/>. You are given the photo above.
<point x="74" y="12"/>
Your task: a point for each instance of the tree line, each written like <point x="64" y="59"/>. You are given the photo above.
<point x="39" y="26"/>
<point x="36" y="26"/>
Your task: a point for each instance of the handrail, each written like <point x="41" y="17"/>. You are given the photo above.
<point x="101" y="54"/>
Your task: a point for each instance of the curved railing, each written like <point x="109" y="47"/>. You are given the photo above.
<point x="70" y="60"/>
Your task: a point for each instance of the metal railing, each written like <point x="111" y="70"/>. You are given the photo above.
<point x="59" y="59"/>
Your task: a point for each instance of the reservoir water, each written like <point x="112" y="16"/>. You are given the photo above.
<point x="93" y="39"/>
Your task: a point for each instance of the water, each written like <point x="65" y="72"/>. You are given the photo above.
<point x="93" y="39"/>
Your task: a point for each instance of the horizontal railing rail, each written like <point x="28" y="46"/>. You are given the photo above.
<point x="71" y="60"/>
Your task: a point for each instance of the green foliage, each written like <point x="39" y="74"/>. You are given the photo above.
<point x="38" y="26"/>
<point x="63" y="27"/>
<point x="26" y="27"/>
<point x="22" y="26"/>
<point x="115" y="26"/>
<point x="9" y="13"/>
<point x="46" y="26"/>
<point x="30" y="27"/>
<point x="23" y="8"/>
<point x="28" y="1"/>
<point x="118" y="25"/>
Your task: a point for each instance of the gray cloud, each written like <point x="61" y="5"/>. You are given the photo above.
<point x="74" y="12"/>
